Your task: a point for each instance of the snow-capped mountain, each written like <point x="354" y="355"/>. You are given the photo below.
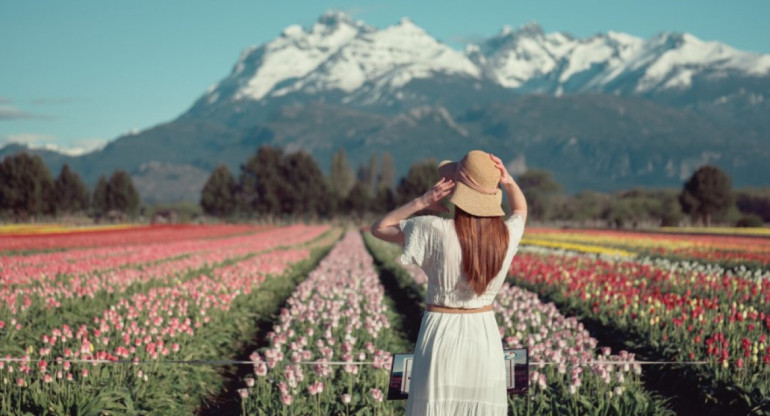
<point x="364" y="65"/>
<point x="614" y="62"/>
<point x="531" y="60"/>
<point x="339" y="53"/>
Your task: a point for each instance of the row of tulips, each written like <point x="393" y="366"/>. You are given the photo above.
<point x="728" y="250"/>
<point x="39" y="306"/>
<point x="190" y="319"/>
<point x="338" y="314"/>
<point x="56" y="274"/>
<point x="28" y="270"/>
<point x="116" y="236"/>
<point x="682" y="311"/>
<point x="692" y="278"/>
<point x="570" y="374"/>
<point x="753" y="231"/>
<point x="55" y="228"/>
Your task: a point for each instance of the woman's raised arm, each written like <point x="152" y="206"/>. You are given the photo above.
<point x="516" y="198"/>
<point x="386" y="228"/>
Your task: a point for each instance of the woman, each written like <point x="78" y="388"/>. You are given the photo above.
<point x="458" y="359"/>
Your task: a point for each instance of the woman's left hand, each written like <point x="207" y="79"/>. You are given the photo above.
<point x="432" y="198"/>
<point x="505" y="177"/>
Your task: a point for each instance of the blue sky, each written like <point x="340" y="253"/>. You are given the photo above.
<point x="78" y="73"/>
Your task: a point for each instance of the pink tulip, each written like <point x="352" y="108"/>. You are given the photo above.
<point x="315" y="388"/>
<point x="376" y="394"/>
<point x="244" y="393"/>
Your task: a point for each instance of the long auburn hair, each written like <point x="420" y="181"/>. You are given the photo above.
<point x="484" y="243"/>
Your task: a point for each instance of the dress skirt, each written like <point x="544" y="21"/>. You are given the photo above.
<point x="458" y="367"/>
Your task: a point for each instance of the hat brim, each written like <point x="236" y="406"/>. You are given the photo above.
<point x="476" y="203"/>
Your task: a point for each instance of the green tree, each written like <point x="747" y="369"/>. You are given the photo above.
<point x="670" y="211"/>
<point x="71" y="194"/>
<point x="121" y="193"/>
<point x="260" y="182"/>
<point x="749" y="220"/>
<point x="218" y="195"/>
<point x="384" y="200"/>
<point x="587" y="206"/>
<point x="99" y="197"/>
<point x="421" y="177"/>
<point x="26" y="187"/>
<point x="359" y="199"/>
<point x="303" y="187"/>
<point x="341" y="176"/>
<point x="706" y="193"/>
<point x="619" y="212"/>
<point x="754" y="201"/>
<point x="539" y="187"/>
<point x="367" y="174"/>
<point x="387" y="172"/>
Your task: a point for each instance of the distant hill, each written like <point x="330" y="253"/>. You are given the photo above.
<point x="607" y="112"/>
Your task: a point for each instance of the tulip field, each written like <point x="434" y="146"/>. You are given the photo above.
<point x="20" y="238"/>
<point x="147" y="320"/>
<point x="693" y="298"/>
<point x="744" y="250"/>
<point x="338" y="315"/>
<point x="65" y="315"/>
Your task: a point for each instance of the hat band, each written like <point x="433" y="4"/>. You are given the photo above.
<point x="464" y="177"/>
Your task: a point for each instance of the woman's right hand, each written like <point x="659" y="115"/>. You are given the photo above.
<point x="505" y="177"/>
<point x="432" y="198"/>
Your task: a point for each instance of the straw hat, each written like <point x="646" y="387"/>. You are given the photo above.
<point x="476" y="177"/>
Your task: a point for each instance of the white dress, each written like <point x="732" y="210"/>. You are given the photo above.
<point x="458" y="358"/>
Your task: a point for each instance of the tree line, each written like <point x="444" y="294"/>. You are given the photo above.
<point x="28" y="191"/>
<point x="707" y="196"/>
<point x="274" y="184"/>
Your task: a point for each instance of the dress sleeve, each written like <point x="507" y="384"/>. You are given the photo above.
<point x="416" y="234"/>
<point x="516" y="228"/>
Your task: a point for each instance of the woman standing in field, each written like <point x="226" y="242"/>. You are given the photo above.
<point x="458" y="359"/>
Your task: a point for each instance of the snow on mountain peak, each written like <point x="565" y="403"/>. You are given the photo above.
<point x="406" y="21"/>
<point x="624" y="38"/>
<point x="340" y="53"/>
<point x="336" y="17"/>
<point x="512" y="57"/>
<point x="387" y="58"/>
<point x="293" y="31"/>
<point x="294" y="54"/>
<point x="679" y="57"/>
<point x="530" y="29"/>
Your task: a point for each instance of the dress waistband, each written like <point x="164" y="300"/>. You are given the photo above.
<point x="445" y="309"/>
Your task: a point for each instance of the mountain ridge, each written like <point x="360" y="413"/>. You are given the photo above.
<point x="525" y="58"/>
